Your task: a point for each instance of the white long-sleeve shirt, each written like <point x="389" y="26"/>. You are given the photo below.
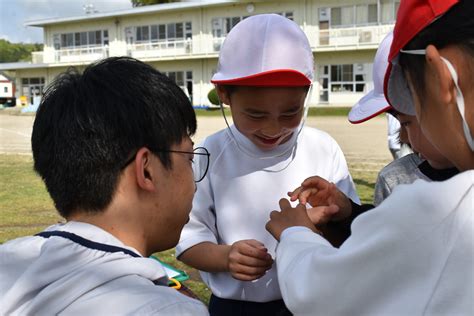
<point x="412" y="255"/>
<point x="233" y="202"/>
<point x="84" y="271"/>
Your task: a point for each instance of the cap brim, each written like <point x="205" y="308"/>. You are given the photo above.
<point x="397" y="90"/>
<point x="368" y="107"/>
<point x="273" y="78"/>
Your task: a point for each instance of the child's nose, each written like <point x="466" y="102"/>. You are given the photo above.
<point x="272" y="128"/>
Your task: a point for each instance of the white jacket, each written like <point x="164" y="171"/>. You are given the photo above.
<point x="92" y="274"/>
<point x="412" y="255"/>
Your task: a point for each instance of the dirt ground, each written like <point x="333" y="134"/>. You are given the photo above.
<point x="364" y="145"/>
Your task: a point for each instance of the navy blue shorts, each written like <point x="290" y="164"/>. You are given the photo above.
<point x="225" y="307"/>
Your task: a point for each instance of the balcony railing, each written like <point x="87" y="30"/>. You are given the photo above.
<point x="160" y="49"/>
<point x="89" y="53"/>
<point x="217" y="43"/>
<point x="359" y="37"/>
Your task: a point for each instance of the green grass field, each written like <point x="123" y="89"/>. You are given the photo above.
<point x="319" y="111"/>
<point x="26" y="208"/>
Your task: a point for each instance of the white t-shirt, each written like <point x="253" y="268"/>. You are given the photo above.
<point x="412" y="255"/>
<point x="87" y="271"/>
<point x="235" y="199"/>
<point x="393" y="132"/>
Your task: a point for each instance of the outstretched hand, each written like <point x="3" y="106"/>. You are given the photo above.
<point x="328" y="203"/>
<point x="288" y="217"/>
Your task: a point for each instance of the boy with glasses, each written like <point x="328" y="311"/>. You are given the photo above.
<point x="114" y="150"/>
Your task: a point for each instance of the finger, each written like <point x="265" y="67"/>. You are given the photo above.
<point x="307" y="195"/>
<point x="320" y="198"/>
<point x="271" y="227"/>
<point x="274" y="215"/>
<point x="254" y="243"/>
<point x="256" y="262"/>
<point x="250" y="270"/>
<point x="255" y="249"/>
<point x="294" y="194"/>
<point x="284" y="204"/>
<point x="322" y="214"/>
<point x="315" y="182"/>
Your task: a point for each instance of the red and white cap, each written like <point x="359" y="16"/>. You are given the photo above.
<point x="413" y="17"/>
<point x="374" y="102"/>
<point x="266" y="50"/>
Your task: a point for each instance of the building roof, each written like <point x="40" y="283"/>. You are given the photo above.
<point x="134" y="11"/>
<point x="4" y="78"/>
<point x="20" y="65"/>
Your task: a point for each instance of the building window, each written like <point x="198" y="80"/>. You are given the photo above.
<point x="288" y="14"/>
<point x="347" y="77"/>
<point x="160" y="33"/>
<point x="388" y="10"/>
<point x="5" y="89"/>
<point x="81" y="39"/>
<point x="366" y="14"/>
<point x="184" y="79"/>
<point x="342" y="16"/>
<point x="363" y="14"/>
<point x="32" y="87"/>
<point x="222" y="26"/>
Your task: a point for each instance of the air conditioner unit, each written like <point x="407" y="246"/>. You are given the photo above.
<point x="365" y="37"/>
<point x="323" y="14"/>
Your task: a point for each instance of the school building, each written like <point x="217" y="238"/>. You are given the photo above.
<point x="183" y="39"/>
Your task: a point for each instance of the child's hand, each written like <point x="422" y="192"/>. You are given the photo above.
<point x="328" y="202"/>
<point x="288" y="217"/>
<point x="248" y="260"/>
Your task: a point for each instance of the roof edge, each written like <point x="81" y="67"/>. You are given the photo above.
<point x="164" y="7"/>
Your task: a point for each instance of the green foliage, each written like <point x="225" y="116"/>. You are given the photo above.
<point x="13" y="52"/>
<point x="313" y="111"/>
<point x="212" y="96"/>
<point x="25" y="206"/>
<point x="141" y="3"/>
<point x="328" y="111"/>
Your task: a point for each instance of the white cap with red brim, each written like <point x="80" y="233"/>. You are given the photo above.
<point x="266" y="50"/>
<point x="412" y="18"/>
<point x="374" y="102"/>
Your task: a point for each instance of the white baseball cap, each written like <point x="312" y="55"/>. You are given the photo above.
<point x="265" y="50"/>
<point x="374" y="102"/>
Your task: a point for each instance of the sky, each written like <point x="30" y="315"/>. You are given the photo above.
<point x="15" y="13"/>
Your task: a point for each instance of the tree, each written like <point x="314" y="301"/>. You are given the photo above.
<point x="141" y="3"/>
<point x="13" y="52"/>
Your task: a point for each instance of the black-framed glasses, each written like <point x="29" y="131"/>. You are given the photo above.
<point x="199" y="170"/>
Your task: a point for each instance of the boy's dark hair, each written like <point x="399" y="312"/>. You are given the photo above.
<point x="87" y="126"/>
<point x="456" y="27"/>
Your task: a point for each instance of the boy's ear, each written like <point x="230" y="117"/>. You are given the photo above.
<point x="439" y="73"/>
<point x="144" y="170"/>
<point x="223" y="94"/>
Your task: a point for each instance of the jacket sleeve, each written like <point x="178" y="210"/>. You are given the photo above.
<point x="391" y="264"/>
<point x="382" y="190"/>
